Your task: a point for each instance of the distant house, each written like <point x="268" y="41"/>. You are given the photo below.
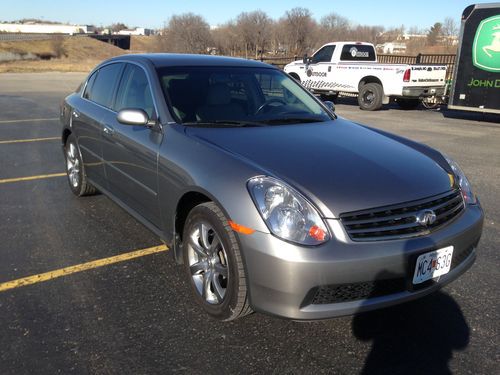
<point x="40" y="28"/>
<point x="391" y="47"/>
<point x="136" y="31"/>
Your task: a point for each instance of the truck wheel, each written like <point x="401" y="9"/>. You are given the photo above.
<point x="214" y="265"/>
<point x="407" y="104"/>
<point x="370" y="96"/>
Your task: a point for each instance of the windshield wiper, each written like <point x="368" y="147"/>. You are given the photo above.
<point x="293" y="120"/>
<point x="222" y="123"/>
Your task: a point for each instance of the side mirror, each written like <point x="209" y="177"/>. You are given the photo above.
<point x="133" y="116"/>
<point x="305" y="59"/>
<point x="330" y="105"/>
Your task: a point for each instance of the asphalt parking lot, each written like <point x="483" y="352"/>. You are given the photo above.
<point x="134" y="316"/>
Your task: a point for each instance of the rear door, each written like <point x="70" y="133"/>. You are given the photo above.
<point x="131" y="152"/>
<point x="86" y="119"/>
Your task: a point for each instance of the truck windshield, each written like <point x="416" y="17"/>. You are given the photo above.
<point x="233" y="96"/>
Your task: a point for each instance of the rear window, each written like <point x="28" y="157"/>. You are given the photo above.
<point x="103" y="87"/>
<point x="357" y="52"/>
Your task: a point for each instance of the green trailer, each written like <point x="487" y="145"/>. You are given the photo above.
<point x="476" y="80"/>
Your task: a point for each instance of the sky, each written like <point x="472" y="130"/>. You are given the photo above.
<point x="154" y="13"/>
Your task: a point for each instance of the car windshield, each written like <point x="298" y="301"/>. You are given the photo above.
<point x="229" y="96"/>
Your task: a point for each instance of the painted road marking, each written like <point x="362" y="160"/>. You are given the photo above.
<point x="29" y="140"/>
<point x="80" y="267"/>
<point x="28" y="120"/>
<point x="29" y="178"/>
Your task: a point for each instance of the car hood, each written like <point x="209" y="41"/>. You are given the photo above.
<point x="339" y="165"/>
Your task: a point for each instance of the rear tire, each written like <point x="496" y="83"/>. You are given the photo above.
<point x="408" y="104"/>
<point x="75" y="170"/>
<point x="213" y="264"/>
<point x="370" y="96"/>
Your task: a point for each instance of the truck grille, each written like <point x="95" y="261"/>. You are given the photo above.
<point x="400" y="221"/>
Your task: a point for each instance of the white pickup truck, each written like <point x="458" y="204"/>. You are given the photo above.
<point x="352" y="67"/>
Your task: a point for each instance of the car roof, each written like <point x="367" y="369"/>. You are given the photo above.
<point x="160" y="60"/>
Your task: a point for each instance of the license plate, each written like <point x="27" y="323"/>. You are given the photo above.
<point x="433" y="264"/>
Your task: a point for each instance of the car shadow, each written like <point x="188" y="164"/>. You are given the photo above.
<point x="418" y="337"/>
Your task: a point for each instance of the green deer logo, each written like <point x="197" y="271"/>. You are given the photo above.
<point x="486" y="46"/>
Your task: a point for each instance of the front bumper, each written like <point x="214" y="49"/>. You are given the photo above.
<point x="422" y="92"/>
<point x="284" y="279"/>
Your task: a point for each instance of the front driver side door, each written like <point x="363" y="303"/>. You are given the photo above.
<point x="319" y="70"/>
<point x="131" y="152"/>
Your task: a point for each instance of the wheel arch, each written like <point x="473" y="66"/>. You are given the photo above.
<point x="294" y="76"/>
<point x="369" y="79"/>
<point x="65" y="135"/>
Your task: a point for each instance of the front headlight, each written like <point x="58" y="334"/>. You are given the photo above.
<point x="287" y="213"/>
<point x="462" y="181"/>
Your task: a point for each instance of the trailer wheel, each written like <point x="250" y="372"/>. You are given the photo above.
<point x="370" y="96"/>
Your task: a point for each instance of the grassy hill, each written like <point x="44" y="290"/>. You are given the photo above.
<point x="75" y="54"/>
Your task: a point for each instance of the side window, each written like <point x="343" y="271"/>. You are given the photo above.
<point x="103" y="87"/>
<point x="323" y="55"/>
<point x="134" y="91"/>
<point x="357" y="52"/>
<point x="90" y="83"/>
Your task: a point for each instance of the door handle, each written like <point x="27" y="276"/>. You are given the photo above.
<point x="108" y="130"/>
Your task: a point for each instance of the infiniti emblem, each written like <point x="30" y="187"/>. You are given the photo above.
<point x="425" y="218"/>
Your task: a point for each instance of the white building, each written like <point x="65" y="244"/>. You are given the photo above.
<point x="391" y="47"/>
<point x="40" y="28"/>
<point x="136" y="31"/>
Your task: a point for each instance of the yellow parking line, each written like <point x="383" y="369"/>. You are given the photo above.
<point x="29" y="178"/>
<point x="28" y="120"/>
<point x="29" y="140"/>
<point x="80" y="267"/>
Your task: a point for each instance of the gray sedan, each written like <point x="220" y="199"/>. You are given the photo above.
<point x="269" y="200"/>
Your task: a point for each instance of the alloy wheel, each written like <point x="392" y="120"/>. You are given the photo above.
<point x="208" y="263"/>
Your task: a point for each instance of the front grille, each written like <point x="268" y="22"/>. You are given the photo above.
<point x="399" y="221"/>
<point x="356" y="291"/>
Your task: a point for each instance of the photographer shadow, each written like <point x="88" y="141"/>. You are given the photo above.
<point x="418" y="337"/>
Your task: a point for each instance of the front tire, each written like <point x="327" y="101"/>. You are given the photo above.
<point x="75" y="170"/>
<point x="213" y="264"/>
<point x="370" y="96"/>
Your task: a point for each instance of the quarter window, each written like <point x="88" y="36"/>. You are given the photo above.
<point x="90" y="83"/>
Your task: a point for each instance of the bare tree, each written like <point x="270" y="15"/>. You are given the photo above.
<point x="333" y="27"/>
<point x="450" y="33"/>
<point x="187" y="33"/>
<point x="255" y="30"/>
<point x="450" y="27"/>
<point x="226" y="39"/>
<point x="300" y="28"/>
